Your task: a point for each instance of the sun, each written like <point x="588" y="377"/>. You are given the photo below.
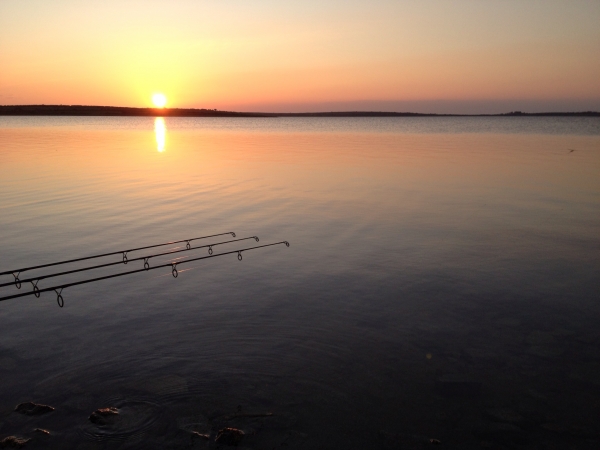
<point x="159" y="100"/>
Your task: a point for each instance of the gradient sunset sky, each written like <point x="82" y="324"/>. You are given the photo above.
<point x="463" y="56"/>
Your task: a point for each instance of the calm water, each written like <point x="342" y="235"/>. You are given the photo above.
<point x="442" y="282"/>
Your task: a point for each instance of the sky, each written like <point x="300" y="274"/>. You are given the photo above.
<point x="462" y="56"/>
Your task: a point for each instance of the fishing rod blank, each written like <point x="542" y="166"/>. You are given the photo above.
<point x="34" y="280"/>
<point x="15" y="273"/>
<point x="58" y="289"/>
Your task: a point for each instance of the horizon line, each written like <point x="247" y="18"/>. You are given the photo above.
<point x="104" y="110"/>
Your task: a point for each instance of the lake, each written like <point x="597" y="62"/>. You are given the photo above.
<point x="442" y="282"/>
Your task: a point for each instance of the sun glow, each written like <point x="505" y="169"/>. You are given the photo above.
<point x="160" y="130"/>
<point x="159" y="100"/>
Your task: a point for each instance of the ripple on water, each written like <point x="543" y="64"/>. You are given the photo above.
<point x="134" y="418"/>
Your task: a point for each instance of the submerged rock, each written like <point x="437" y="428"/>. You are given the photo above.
<point x="42" y="431"/>
<point x="33" y="409"/>
<point x="229" y="436"/>
<point x="13" y="442"/>
<point x="103" y="416"/>
<point x="200" y="435"/>
<point x="126" y="420"/>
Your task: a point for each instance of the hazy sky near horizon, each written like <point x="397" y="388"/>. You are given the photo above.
<point x="464" y="56"/>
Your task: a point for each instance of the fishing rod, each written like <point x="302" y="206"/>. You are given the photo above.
<point x="15" y="273"/>
<point x="58" y="289"/>
<point x="34" y="280"/>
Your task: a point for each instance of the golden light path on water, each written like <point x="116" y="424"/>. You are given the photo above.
<point x="160" y="130"/>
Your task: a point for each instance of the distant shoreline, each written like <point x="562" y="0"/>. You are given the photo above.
<point x="119" y="111"/>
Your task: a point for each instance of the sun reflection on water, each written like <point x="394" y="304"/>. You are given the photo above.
<point x="160" y="130"/>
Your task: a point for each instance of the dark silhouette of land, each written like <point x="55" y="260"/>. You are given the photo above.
<point x="85" y="110"/>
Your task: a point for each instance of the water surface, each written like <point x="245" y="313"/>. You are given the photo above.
<point x="442" y="281"/>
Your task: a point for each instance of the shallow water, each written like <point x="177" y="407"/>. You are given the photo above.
<point x="442" y="282"/>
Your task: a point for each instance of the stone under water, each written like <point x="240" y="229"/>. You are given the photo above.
<point x="33" y="409"/>
<point x="13" y="442"/>
<point x="229" y="436"/>
<point x="103" y="415"/>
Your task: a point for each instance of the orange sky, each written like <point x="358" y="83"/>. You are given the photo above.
<point x="264" y="55"/>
